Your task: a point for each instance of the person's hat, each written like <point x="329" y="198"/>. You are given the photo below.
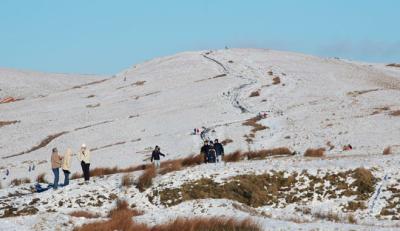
<point x="216" y="140"/>
<point x="83" y="146"/>
<point x="55" y="150"/>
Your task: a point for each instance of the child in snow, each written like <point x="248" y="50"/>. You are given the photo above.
<point x="156" y="156"/>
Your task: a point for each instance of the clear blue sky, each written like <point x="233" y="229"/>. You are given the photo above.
<point x="104" y="37"/>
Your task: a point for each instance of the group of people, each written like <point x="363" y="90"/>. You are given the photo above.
<point x="213" y="152"/>
<point x="64" y="162"/>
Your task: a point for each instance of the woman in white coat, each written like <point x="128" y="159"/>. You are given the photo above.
<point x="66" y="166"/>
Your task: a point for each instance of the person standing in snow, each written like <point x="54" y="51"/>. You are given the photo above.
<point x="156" y="156"/>
<point x="55" y="166"/>
<point x="66" y="166"/>
<point x="204" y="151"/>
<point x="211" y="153"/>
<point x="219" y="149"/>
<point x="84" y="158"/>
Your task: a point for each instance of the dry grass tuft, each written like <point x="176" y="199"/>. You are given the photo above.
<point x="5" y="123"/>
<point x="192" y="160"/>
<point x="127" y="180"/>
<point x="395" y="113"/>
<point x="319" y="152"/>
<point x="255" y="93"/>
<point x="146" y="179"/>
<point x="252" y="122"/>
<point x="226" y="141"/>
<point x="330" y="216"/>
<point x="170" y="166"/>
<point x="262" y="154"/>
<point x="109" y="171"/>
<point x="351" y="219"/>
<point x="276" y="80"/>
<point x="387" y="150"/>
<point x="84" y="214"/>
<point x="233" y="157"/>
<point x="365" y="181"/>
<point x="41" y="178"/>
<point x="120" y="219"/>
<point x="209" y="224"/>
<point x="393" y="65"/>
<point x="17" y="182"/>
<point x="139" y="83"/>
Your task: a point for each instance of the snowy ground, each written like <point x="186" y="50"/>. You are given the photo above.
<point x="160" y="102"/>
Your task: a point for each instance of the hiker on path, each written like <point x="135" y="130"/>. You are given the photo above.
<point x="66" y="166"/>
<point x="212" y="153"/>
<point x="219" y="149"/>
<point x="84" y="158"/>
<point x="156" y="156"/>
<point x="204" y="151"/>
<point x="55" y="166"/>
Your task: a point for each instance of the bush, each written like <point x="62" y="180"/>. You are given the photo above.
<point x="365" y="181"/>
<point x="120" y="219"/>
<point x="252" y="122"/>
<point x="41" y="178"/>
<point x="276" y="80"/>
<point x="226" y="141"/>
<point x="84" y="214"/>
<point x="127" y="180"/>
<point x="319" y="152"/>
<point x="395" y="113"/>
<point x="387" y="151"/>
<point x="262" y="154"/>
<point x="146" y="179"/>
<point x="255" y="93"/>
<point x="192" y="160"/>
<point x="170" y="166"/>
<point x="233" y="157"/>
<point x="212" y="224"/>
<point x="17" y="182"/>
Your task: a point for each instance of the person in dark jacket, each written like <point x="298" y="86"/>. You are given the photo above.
<point x="204" y="151"/>
<point x="219" y="149"/>
<point x="211" y="153"/>
<point x="156" y="156"/>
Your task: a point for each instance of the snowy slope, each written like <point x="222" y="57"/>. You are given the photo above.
<point x="160" y="102"/>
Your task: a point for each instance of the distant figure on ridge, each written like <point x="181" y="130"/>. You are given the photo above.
<point x="55" y="166"/>
<point x="84" y="158"/>
<point x="156" y="156"/>
<point x="66" y="166"/>
<point x="219" y="149"/>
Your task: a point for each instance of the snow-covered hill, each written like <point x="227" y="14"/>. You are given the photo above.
<point x="310" y="102"/>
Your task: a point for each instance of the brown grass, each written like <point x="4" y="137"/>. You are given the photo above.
<point x="120" y="219"/>
<point x="351" y="219"/>
<point x="209" y="224"/>
<point x="319" y="152"/>
<point x="276" y="80"/>
<point x="170" y="166"/>
<point x="103" y="171"/>
<point x="139" y="83"/>
<point x="127" y="180"/>
<point x="17" y="182"/>
<point x="233" y="157"/>
<point x="84" y="214"/>
<point x="262" y="154"/>
<point x="393" y="65"/>
<point x="395" y="113"/>
<point x="146" y="179"/>
<point x="330" y="216"/>
<point x="93" y="105"/>
<point x="41" y="178"/>
<point x="226" y="141"/>
<point x="365" y="181"/>
<point x="387" y="150"/>
<point x="252" y="122"/>
<point x="5" y="123"/>
<point x="192" y="160"/>
<point x="255" y="93"/>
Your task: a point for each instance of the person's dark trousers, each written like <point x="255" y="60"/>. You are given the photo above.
<point x="85" y="169"/>
<point x="66" y="177"/>
<point x="56" y="177"/>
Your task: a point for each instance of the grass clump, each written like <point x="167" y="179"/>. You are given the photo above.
<point x="127" y="180"/>
<point x="233" y="157"/>
<point x="146" y="179"/>
<point x="387" y="150"/>
<point x="255" y="93"/>
<point x="84" y="214"/>
<point x="318" y="152"/>
<point x="41" y="178"/>
<point x="17" y="182"/>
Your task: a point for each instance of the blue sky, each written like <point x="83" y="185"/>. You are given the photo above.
<point x="104" y="37"/>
